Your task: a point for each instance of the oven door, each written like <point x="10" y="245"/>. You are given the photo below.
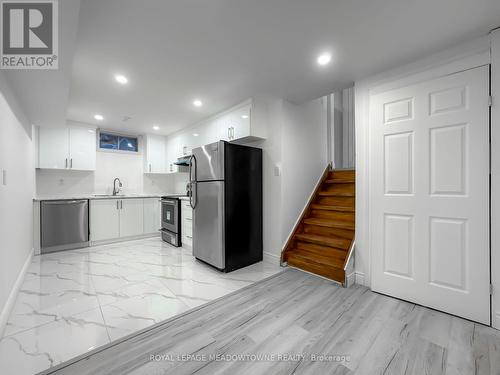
<point x="170" y="214"/>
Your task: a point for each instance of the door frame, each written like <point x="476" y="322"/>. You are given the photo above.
<point x="468" y="56"/>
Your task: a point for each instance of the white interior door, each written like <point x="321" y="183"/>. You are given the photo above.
<point x="429" y="193"/>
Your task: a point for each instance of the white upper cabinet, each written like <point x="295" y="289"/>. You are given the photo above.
<point x="67" y="148"/>
<point x="82" y="148"/>
<point x="154" y="160"/>
<point x="53" y="148"/>
<point x="235" y="124"/>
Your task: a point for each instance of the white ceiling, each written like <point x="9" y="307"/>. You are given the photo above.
<point x="224" y="51"/>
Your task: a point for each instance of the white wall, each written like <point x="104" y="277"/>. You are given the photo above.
<point x="109" y="165"/>
<point x="294" y="157"/>
<point x="454" y="59"/>
<point x="16" y="194"/>
<point x="304" y="158"/>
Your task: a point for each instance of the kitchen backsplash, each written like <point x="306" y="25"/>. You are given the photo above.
<point x="129" y="168"/>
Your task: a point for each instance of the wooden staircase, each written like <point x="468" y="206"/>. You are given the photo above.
<point x="322" y="241"/>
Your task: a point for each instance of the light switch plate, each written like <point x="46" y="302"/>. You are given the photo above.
<point x="277" y="170"/>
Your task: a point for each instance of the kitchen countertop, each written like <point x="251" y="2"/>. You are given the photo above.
<point x="95" y="196"/>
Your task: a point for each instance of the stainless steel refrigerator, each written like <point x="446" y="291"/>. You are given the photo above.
<point x="226" y="197"/>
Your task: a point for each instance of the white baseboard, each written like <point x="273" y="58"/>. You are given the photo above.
<point x="271" y="257"/>
<point x="124" y="239"/>
<point x="9" y="304"/>
<point x="360" y="278"/>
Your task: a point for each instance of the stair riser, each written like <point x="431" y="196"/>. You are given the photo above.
<point x="339" y="188"/>
<point x="333" y="215"/>
<point x="321" y="250"/>
<point x="337" y="201"/>
<point x="328" y="272"/>
<point x="342" y="174"/>
<point x="329" y="232"/>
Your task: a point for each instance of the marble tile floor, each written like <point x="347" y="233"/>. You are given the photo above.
<point x="74" y="301"/>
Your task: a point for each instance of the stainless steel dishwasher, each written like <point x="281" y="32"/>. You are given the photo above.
<point x="64" y="225"/>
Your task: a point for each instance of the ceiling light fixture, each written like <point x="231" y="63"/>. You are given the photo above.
<point x="244" y="116"/>
<point x="197" y="103"/>
<point x="99" y="117"/>
<point x="195" y="134"/>
<point x="324" y="59"/>
<point x="121" y="79"/>
<point x="156" y="127"/>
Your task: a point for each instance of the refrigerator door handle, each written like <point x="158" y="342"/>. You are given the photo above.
<point x="192" y="182"/>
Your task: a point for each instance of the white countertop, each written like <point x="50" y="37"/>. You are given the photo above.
<point x="98" y="196"/>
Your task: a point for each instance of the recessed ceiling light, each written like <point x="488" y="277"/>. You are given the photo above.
<point x="244" y="116"/>
<point x="324" y="59"/>
<point x="197" y="103"/>
<point x="99" y="117"/>
<point x="195" y="134"/>
<point x="121" y="79"/>
<point x="156" y="127"/>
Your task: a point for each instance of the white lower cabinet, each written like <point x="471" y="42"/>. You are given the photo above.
<point x="104" y="219"/>
<point x="152" y="217"/>
<point x="131" y="217"/>
<point x="186" y="224"/>
<point x="119" y="218"/>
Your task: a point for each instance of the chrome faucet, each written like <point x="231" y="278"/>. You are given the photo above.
<point x="116" y="191"/>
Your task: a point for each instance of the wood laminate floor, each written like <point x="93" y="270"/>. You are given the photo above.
<point x="323" y="328"/>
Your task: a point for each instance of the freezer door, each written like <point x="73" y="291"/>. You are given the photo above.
<point x="208" y="224"/>
<point x="209" y="162"/>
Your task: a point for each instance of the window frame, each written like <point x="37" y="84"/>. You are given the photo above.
<point x="119" y="134"/>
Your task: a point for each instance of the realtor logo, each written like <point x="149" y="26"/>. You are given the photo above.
<point x="29" y="37"/>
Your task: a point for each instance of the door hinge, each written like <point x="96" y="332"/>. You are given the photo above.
<point x="490" y="101"/>
<point x="491" y="289"/>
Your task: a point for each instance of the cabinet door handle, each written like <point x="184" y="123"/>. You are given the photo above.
<point x="117" y="207"/>
<point x="71" y="163"/>
<point x="189" y="219"/>
<point x="188" y="236"/>
<point x="121" y="205"/>
<point x="66" y="164"/>
<point x="149" y="167"/>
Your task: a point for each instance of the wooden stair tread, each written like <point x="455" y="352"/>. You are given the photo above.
<point x="314" y="249"/>
<point x="341" y="180"/>
<point x="315" y="258"/>
<point x="307" y="264"/>
<point x="337" y="242"/>
<point x="318" y="206"/>
<point x="335" y="223"/>
<point x="336" y="193"/>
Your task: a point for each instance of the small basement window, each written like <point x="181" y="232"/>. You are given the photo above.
<point x="117" y="142"/>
